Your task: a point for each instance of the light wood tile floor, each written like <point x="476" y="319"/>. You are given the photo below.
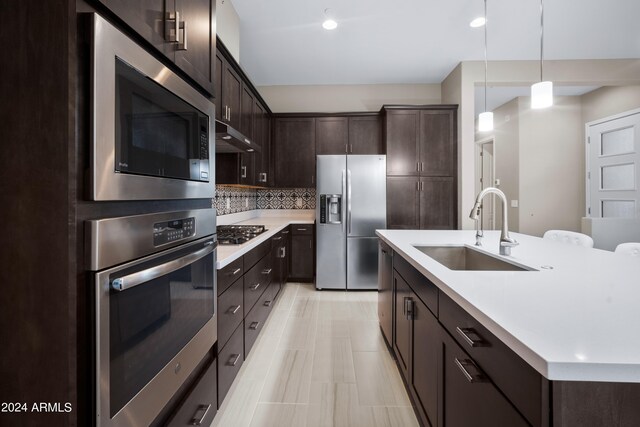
<point x="319" y="361"/>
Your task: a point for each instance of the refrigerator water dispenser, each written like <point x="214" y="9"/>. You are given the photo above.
<point x="331" y="209"/>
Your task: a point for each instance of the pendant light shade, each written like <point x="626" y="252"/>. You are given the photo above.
<point x="542" y="92"/>
<point x="542" y="95"/>
<point x="485" y="120"/>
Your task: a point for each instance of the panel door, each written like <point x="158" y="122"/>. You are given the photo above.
<point x="247" y="168"/>
<point x="365" y="135"/>
<point x="366" y="195"/>
<point x="402" y="203"/>
<point x="424" y="359"/>
<point x="401" y="141"/>
<point x="196" y="58"/>
<point x="402" y="335"/>
<point x="469" y="399"/>
<point x="437" y="203"/>
<point x="302" y="256"/>
<point x="385" y="291"/>
<point x="231" y="96"/>
<point x="261" y="166"/>
<point x="295" y="152"/>
<point x="332" y="135"/>
<point x="246" y="114"/>
<point x="218" y="72"/>
<point x="437" y="143"/>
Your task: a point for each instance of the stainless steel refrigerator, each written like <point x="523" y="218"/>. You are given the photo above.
<point x="350" y="205"/>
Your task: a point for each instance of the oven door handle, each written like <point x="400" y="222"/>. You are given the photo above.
<point x="131" y="280"/>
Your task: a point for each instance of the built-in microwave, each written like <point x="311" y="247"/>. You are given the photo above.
<point x="153" y="134"/>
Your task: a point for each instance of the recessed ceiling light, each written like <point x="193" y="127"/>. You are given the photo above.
<point x="329" y="24"/>
<point x="478" y="22"/>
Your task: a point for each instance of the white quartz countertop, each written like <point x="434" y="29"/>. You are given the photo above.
<point x="273" y="220"/>
<point x="576" y="322"/>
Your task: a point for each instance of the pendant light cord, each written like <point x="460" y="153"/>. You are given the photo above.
<point x="485" y="55"/>
<point x="541" y="37"/>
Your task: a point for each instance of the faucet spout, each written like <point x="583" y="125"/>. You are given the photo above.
<point x="506" y="241"/>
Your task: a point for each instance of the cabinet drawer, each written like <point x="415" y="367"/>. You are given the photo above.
<point x="229" y="274"/>
<point x="426" y="291"/>
<point x="254" y="321"/>
<point x="256" y="281"/>
<point x="230" y="311"/>
<point x="230" y="359"/>
<point x="522" y="384"/>
<point x="302" y="229"/>
<point x="200" y="407"/>
<point x="256" y="254"/>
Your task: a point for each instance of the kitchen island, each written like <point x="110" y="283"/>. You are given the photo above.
<point x="560" y="322"/>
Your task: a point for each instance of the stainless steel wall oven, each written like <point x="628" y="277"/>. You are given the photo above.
<point x="153" y="134"/>
<point x="155" y="296"/>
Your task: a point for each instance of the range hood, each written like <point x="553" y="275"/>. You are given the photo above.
<point x="230" y="140"/>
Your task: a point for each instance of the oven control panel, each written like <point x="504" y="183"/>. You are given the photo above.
<point x="174" y="230"/>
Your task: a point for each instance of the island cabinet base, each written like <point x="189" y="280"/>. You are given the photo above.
<point x="595" y="404"/>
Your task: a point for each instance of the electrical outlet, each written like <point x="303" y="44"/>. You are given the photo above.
<point x="514" y="203"/>
<point x="298" y="203"/>
<point x="228" y="203"/>
<point x="246" y="202"/>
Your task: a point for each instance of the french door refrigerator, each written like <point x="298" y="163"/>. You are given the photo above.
<point x="350" y="206"/>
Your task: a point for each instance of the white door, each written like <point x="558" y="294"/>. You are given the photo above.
<point x="613" y="178"/>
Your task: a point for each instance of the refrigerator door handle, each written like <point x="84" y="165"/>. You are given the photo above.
<point x="344" y="193"/>
<point x="349" y="201"/>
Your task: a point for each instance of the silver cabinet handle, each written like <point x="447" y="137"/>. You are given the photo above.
<point x="465" y="332"/>
<point x="244" y="171"/>
<point x="233" y="310"/>
<point x="172" y="27"/>
<point x="254" y="287"/>
<point x="277" y="238"/>
<point x="254" y="325"/>
<point x="233" y="360"/>
<point x="301" y="229"/>
<point x="464" y="364"/>
<point x="408" y="308"/>
<point x="135" y="279"/>
<point x="267" y="303"/>
<point x="197" y="421"/>
<point x="285" y="232"/>
<point x="266" y="271"/>
<point x="234" y="272"/>
<point x="182" y="27"/>
<point x="229" y="118"/>
<point x="417" y="166"/>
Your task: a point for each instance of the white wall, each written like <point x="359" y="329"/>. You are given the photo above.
<point x="228" y="27"/>
<point x="608" y="101"/>
<point x="342" y="98"/>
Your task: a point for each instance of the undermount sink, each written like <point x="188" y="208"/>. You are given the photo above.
<point x="465" y="258"/>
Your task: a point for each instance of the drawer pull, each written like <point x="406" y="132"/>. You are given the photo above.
<point x="204" y="409"/>
<point x="234" y="272"/>
<point x="277" y="238"/>
<point x="254" y="325"/>
<point x="233" y="310"/>
<point x="254" y="287"/>
<point x="266" y="271"/>
<point x="465" y="332"/>
<point x="463" y="364"/>
<point x="233" y="360"/>
<point x="268" y="303"/>
<point x="285" y="232"/>
<point x="302" y="229"/>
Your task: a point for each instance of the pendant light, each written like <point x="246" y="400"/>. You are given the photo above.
<point x="485" y="119"/>
<point x="542" y="92"/>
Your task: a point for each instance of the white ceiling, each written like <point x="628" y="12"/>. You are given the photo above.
<point x="500" y="95"/>
<point x="421" y="41"/>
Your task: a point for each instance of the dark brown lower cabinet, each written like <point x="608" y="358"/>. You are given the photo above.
<point x="402" y="338"/>
<point x="230" y="359"/>
<point x="302" y="252"/>
<point x="403" y="210"/>
<point x="385" y="291"/>
<point x="200" y="407"/>
<point x="437" y="203"/>
<point x="469" y="398"/>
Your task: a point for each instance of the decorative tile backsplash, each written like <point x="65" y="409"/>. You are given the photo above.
<point x="230" y="199"/>
<point x="234" y="199"/>
<point x="287" y="198"/>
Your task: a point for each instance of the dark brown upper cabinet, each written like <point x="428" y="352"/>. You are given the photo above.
<point x="294" y="152"/>
<point x="218" y="69"/>
<point x="188" y="41"/>
<point x="403" y="209"/>
<point x="365" y="135"/>
<point x="262" y="173"/>
<point x="230" y="101"/>
<point x="401" y="137"/>
<point x="437" y="144"/>
<point x="246" y="114"/>
<point x="332" y="135"/>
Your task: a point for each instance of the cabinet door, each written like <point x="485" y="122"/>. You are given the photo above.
<point x="218" y="72"/>
<point x="365" y="135"/>
<point x="261" y="137"/>
<point x="437" y="143"/>
<point x="231" y="95"/>
<point x="385" y="291"/>
<point x="437" y="203"/>
<point x="402" y="202"/>
<point x="302" y="257"/>
<point x="246" y="114"/>
<point x="401" y="140"/>
<point x="402" y="336"/>
<point x="286" y="259"/>
<point x="469" y="399"/>
<point x="295" y="152"/>
<point x="247" y="168"/>
<point x="332" y="135"/>
<point x="196" y="58"/>
<point x="424" y="360"/>
<point x="147" y="18"/>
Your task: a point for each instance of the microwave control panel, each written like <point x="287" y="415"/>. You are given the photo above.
<point x="174" y="230"/>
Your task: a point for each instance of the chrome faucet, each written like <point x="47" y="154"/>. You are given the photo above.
<point x="506" y="242"/>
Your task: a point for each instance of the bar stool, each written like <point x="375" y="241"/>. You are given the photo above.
<point x="569" y="237"/>
<point x="629" y="249"/>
